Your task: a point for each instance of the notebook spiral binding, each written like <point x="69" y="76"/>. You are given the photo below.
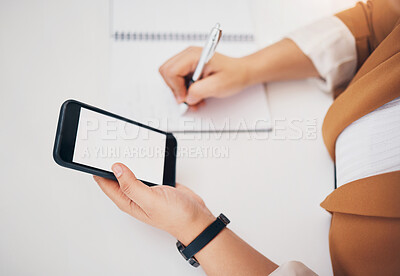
<point x="146" y="36"/>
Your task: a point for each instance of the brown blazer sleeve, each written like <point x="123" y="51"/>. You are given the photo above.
<point x="370" y="23"/>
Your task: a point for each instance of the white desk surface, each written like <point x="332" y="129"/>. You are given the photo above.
<point x="55" y="221"/>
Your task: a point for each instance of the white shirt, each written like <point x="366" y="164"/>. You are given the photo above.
<point x="368" y="146"/>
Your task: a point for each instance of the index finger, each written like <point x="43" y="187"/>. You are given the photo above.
<point x="177" y="68"/>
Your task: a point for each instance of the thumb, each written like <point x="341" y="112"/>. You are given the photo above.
<point x="133" y="188"/>
<point x="202" y="89"/>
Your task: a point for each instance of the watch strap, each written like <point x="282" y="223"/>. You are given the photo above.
<point x="205" y="237"/>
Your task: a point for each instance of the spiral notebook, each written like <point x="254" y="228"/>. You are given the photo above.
<point x="145" y="34"/>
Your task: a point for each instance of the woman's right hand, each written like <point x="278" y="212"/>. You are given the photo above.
<point x="222" y="76"/>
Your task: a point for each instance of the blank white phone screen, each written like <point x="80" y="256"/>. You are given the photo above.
<point x="102" y="140"/>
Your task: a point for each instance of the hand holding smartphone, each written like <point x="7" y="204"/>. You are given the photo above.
<point x="90" y="140"/>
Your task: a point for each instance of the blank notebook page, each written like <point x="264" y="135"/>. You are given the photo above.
<point x="144" y="34"/>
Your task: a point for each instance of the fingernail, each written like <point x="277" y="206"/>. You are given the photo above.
<point x="117" y="170"/>
<point x="179" y="99"/>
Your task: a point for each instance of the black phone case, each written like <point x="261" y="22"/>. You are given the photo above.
<point x="83" y="168"/>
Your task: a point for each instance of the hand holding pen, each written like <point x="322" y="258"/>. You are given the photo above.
<point x="211" y="75"/>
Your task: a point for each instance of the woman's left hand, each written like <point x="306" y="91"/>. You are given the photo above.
<point x="179" y="211"/>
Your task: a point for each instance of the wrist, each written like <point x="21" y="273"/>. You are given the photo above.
<point x="190" y="251"/>
<point x="247" y="71"/>
<point x="251" y="70"/>
<point x="259" y="66"/>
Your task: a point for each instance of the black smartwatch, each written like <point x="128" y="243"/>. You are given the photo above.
<point x="202" y="240"/>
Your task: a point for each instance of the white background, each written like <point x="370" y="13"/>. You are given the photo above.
<point x="55" y="221"/>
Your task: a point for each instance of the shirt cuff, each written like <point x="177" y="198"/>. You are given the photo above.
<point x="293" y="268"/>
<point x="332" y="49"/>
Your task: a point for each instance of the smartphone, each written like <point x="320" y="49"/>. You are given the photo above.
<point x="90" y="140"/>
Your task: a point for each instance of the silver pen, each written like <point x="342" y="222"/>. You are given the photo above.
<point x="207" y="53"/>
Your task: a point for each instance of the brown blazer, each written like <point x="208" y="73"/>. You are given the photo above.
<point x="364" y="236"/>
